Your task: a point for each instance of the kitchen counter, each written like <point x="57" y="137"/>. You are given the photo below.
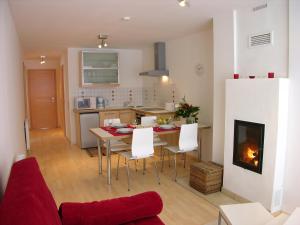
<point x="142" y="110"/>
<point x="100" y="110"/>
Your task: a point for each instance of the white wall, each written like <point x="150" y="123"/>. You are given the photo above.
<point x="231" y="53"/>
<point x="272" y="58"/>
<point x="292" y="182"/>
<point x="12" y="98"/>
<point x="276" y="58"/>
<point x="130" y="64"/>
<point x="223" y="68"/>
<point x="36" y="65"/>
<point x="263" y="101"/>
<point x="182" y="57"/>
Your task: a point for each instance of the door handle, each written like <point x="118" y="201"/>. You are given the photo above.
<point x="53" y="99"/>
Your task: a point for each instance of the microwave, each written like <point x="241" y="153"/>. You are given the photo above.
<point x="85" y="102"/>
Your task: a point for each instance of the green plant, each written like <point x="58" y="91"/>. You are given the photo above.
<point x="186" y="110"/>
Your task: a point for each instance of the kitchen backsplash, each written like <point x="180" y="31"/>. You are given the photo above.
<point x="117" y="96"/>
<point x="151" y="97"/>
<point x="146" y="96"/>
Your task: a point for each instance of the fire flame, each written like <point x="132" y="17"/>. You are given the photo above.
<point x="250" y="155"/>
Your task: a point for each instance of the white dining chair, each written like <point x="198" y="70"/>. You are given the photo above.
<point x="110" y="122"/>
<point x="187" y="142"/>
<point x="150" y="121"/>
<point x="115" y="145"/>
<point x="141" y="148"/>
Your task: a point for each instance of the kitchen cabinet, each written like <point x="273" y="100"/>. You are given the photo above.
<point x="126" y="116"/>
<point x="99" y="68"/>
<point x="108" y="115"/>
<point x="163" y="116"/>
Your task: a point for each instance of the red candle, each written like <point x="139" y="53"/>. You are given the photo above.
<point x="271" y="75"/>
<point x="236" y="76"/>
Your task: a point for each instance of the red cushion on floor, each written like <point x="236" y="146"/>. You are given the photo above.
<point x="112" y="212"/>
<point x="27" y="199"/>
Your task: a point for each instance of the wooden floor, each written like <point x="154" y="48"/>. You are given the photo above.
<point x="72" y="175"/>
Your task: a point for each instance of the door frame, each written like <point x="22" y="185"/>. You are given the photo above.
<point x="62" y="85"/>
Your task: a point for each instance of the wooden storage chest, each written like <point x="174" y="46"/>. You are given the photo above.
<point x="206" y="177"/>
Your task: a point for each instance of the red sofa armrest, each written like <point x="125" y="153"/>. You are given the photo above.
<point x="112" y="212"/>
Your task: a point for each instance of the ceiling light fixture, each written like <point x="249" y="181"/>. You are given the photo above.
<point x="43" y="59"/>
<point x="102" y="40"/>
<point x="183" y="3"/>
<point x="126" y="18"/>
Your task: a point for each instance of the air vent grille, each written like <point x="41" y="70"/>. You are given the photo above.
<point x="261" y="39"/>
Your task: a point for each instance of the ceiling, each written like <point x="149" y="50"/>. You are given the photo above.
<point x="48" y="27"/>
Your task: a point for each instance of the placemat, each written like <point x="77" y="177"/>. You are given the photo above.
<point x="158" y="129"/>
<point x="113" y="131"/>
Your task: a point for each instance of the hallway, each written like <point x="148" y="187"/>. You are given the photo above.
<point x="72" y="175"/>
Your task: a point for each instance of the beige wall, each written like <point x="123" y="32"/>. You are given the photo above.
<point x="182" y="56"/>
<point x="12" y="113"/>
<point x="64" y="63"/>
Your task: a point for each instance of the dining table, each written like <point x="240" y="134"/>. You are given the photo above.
<point x="105" y="135"/>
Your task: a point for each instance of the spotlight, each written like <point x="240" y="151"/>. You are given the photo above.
<point x="43" y="59"/>
<point x="183" y="3"/>
<point x="102" y="38"/>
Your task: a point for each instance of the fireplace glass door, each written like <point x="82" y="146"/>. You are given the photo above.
<point x="248" y="145"/>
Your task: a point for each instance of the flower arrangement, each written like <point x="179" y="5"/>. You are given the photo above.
<point x="187" y="111"/>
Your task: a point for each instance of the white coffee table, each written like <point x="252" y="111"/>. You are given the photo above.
<point x="244" y="214"/>
<point x="294" y="218"/>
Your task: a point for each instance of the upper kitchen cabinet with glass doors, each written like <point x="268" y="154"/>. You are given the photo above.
<point x="99" y="68"/>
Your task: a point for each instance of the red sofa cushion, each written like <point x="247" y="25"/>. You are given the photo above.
<point x="27" y="199"/>
<point x="115" y="211"/>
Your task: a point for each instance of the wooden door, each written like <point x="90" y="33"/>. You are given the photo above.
<point x="42" y="99"/>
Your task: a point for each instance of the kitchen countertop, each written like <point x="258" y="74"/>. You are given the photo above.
<point x="143" y="110"/>
<point x="100" y="109"/>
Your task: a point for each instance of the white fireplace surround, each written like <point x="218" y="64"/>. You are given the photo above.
<point x="262" y="101"/>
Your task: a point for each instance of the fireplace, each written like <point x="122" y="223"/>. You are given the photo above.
<point x="248" y="145"/>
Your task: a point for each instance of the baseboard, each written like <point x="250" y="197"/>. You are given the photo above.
<point x="234" y="196"/>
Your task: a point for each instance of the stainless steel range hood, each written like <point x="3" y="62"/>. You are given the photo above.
<point x="159" y="61"/>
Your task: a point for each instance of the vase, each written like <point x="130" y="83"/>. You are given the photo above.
<point x="190" y="120"/>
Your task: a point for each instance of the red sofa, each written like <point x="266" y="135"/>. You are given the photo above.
<point x="28" y="201"/>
